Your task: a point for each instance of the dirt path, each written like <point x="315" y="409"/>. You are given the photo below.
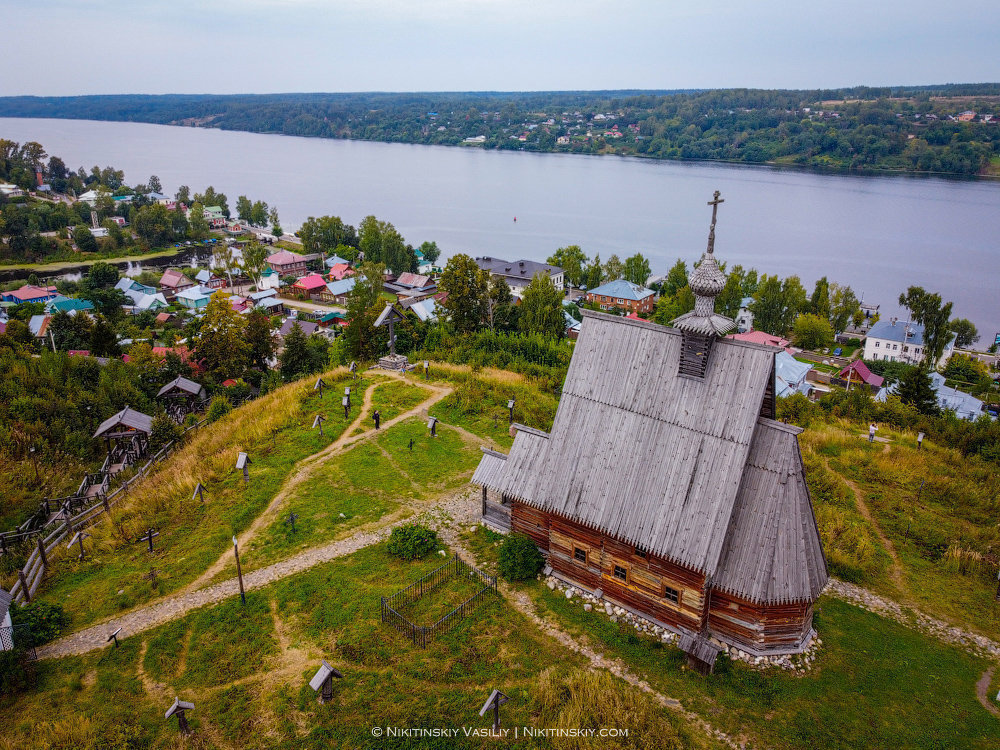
<point x="305" y="468"/>
<point x="896" y="571"/>
<point x="981" y="687"/>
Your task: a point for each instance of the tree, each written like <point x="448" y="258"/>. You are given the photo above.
<point x="259" y="213"/>
<point x="244" y="208"/>
<point x="614" y="269"/>
<point x="933" y="314"/>
<point x="916" y="390"/>
<point x="572" y="260"/>
<point x="466" y="286"/>
<point x="294" y="358"/>
<point x="670" y="308"/>
<point x="103" y="341"/>
<point x="276" y="229"/>
<point x="966" y="333"/>
<point x="155" y="186"/>
<point x="221" y="340"/>
<point x="503" y="313"/>
<point x="84" y="239"/>
<point x="324" y="234"/>
<point x="730" y="298"/>
<point x="164" y="431"/>
<point x="819" y="303"/>
<point x="430" y="251"/>
<point x="260" y="340"/>
<point x="154" y="223"/>
<point x="677" y="279"/>
<point x="197" y="223"/>
<point x="225" y="260"/>
<point x="255" y="260"/>
<point x="363" y="307"/>
<point x="777" y="304"/>
<point x="541" y="308"/>
<point x="183" y="194"/>
<point x="844" y="306"/>
<point x="101" y="276"/>
<point x="812" y="332"/>
<point x="594" y="273"/>
<point x="637" y="269"/>
<point x="71" y="331"/>
<point x="212" y="198"/>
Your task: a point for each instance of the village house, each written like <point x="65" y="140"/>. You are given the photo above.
<point x="194" y="298"/>
<point x="763" y="338"/>
<point x="287" y="263"/>
<point x="30" y="293"/>
<point x="518" y="274"/>
<point x="623" y="295"/>
<point x="339" y="271"/>
<point x="896" y="341"/>
<point x="173" y="281"/>
<point x="208" y="279"/>
<point x="67" y="305"/>
<point x="857" y="373"/>
<point x="9" y="190"/>
<point x="337" y="292"/>
<point x="667" y="486"/>
<point x="269" y="279"/>
<point x="309" y="285"/>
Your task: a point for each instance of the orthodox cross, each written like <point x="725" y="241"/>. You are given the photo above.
<point x="199" y="492"/>
<point x="178" y="710"/>
<point x="114" y="637"/>
<point x="494" y="702"/>
<point x="292" y="517"/>
<point x="714" y="203"/>
<point x="148" y="537"/>
<point x="318" y="422"/>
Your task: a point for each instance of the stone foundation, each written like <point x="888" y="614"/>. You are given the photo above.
<point x="397" y="362"/>
<point x="799" y="663"/>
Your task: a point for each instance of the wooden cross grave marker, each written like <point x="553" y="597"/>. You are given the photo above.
<point x="148" y="537"/>
<point x="199" y="492"/>
<point x="324" y="678"/>
<point x="114" y="637"/>
<point x="292" y="518"/>
<point x="178" y="709"/>
<point x="151" y="577"/>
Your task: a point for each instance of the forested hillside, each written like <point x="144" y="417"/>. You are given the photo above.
<point x="944" y="129"/>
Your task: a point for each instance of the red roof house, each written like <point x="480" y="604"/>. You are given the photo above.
<point x="174" y="281"/>
<point x="858" y="370"/>
<point x="310" y="284"/>
<point x="340" y="271"/>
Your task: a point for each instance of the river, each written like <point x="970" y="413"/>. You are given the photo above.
<point x="877" y="234"/>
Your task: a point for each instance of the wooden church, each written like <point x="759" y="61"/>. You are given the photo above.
<point x="666" y="485"/>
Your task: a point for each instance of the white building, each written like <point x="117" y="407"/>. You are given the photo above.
<point x="897" y="341"/>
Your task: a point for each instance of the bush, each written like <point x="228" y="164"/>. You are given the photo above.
<point x="412" y="541"/>
<point x="519" y="558"/>
<point x="44" y="620"/>
<point x="219" y="408"/>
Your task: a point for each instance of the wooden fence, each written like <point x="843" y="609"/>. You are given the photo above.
<point x="392" y="606"/>
<point x="30" y="576"/>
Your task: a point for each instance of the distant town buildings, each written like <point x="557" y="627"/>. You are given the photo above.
<point x="622" y="295"/>
<point x="519" y="273"/>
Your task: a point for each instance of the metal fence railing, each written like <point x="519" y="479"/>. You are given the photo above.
<point x="393" y="607"/>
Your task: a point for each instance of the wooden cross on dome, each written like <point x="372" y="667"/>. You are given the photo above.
<point x="714" y="203"/>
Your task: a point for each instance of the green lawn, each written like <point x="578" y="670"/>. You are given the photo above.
<point x="393" y="397"/>
<point x="875" y="684"/>
<point x="249" y="685"/>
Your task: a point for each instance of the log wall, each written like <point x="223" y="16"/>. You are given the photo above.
<point x="734" y="620"/>
<point x="761" y="627"/>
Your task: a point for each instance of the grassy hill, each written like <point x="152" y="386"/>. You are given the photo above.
<point x="875" y="683"/>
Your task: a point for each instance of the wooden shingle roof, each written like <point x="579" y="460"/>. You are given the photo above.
<point x="128" y="417"/>
<point x="647" y="455"/>
<point x="180" y="383"/>
<point x="773" y="552"/>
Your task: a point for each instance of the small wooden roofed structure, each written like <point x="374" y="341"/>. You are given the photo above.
<point x="130" y="429"/>
<point x="126" y="423"/>
<point x="858" y="372"/>
<point x="701" y="652"/>
<point x="182" y="388"/>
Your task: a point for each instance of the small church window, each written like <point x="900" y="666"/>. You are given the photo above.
<point x="640" y="552"/>
<point x="621" y="573"/>
<point x="671" y="595"/>
<point x="580" y="554"/>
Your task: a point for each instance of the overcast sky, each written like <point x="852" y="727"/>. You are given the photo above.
<point x="63" y="47"/>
